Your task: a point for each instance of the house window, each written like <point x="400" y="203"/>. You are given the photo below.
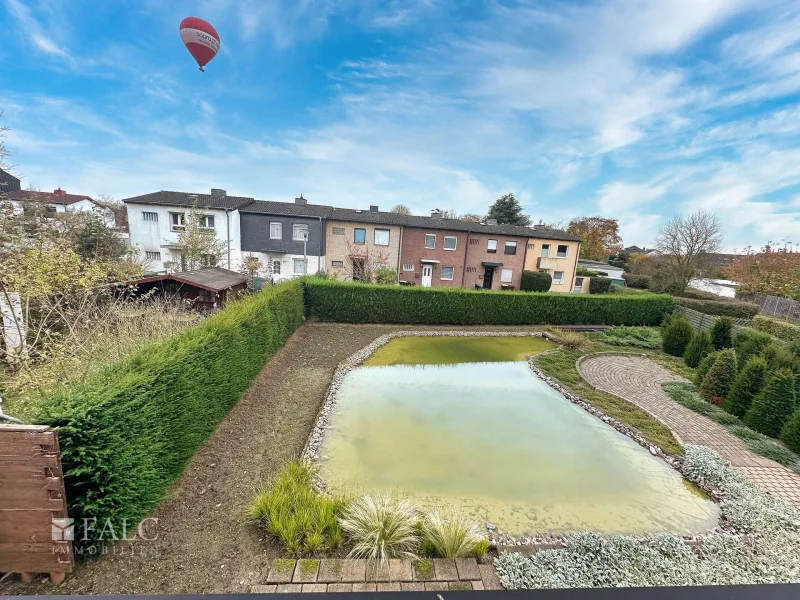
<point x="545" y="250"/>
<point x="152" y="255"/>
<point x="299" y="232"/>
<point x="276" y="267"/>
<point x="150" y="216"/>
<point x="558" y="276"/>
<point x="579" y="284"/>
<point x="337" y="263"/>
<point x="562" y="250"/>
<point x="206" y="296"/>
<point x="506" y="275"/>
<point x="209" y="260"/>
<point x="338" y="231"/>
<point x="511" y="247"/>
<point x="299" y="266"/>
<point x="447" y="273"/>
<point x="360" y="236"/>
<point x="430" y="241"/>
<point x="381" y="237"/>
<point x="409" y="268"/>
<point x="450" y="242"/>
<point x="177" y="222"/>
<point x="491" y="246"/>
<point x="206" y="221"/>
<point x="275" y="230"/>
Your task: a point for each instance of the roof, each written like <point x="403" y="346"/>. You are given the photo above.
<point x="167" y="198"/>
<point x="8" y="183"/>
<point x="214" y="279"/>
<point x="48" y="197"/>
<point x="597" y="263"/>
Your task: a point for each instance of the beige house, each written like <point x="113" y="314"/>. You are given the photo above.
<point x="354" y="250"/>
<point x="559" y="257"/>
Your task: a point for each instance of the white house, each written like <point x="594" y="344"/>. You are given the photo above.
<point x="60" y="201"/>
<point x="155" y="220"/>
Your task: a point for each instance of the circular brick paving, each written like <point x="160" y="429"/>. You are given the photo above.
<point x="638" y="380"/>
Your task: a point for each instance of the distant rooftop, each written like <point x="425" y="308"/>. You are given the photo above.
<point x="213" y="279"/>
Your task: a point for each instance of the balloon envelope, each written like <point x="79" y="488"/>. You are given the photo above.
<point x="200" y="39"/>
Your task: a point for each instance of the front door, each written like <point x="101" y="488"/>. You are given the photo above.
<point x="488" y="273"/>
<point x="427" y="275"/>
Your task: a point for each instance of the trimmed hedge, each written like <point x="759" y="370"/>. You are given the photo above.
<point x="780" y="329"/>
<point x="127" y="433"/>
<point x="599" y="285"/>
<point x="536" y="281"/>
<point x="641" y="282"/>
<point x="737" y="310"/>
<point x="358" y="303"/>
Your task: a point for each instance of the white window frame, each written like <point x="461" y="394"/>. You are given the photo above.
<point x="336" y="264"/>
<point x="375" y="236"/>
<point x="203" y="222"/>
<point x="558" y="252"/>
<point x="558" y="280"/>
<point x="450" y="237"/>
<point x="152" y="255"/>
<point x="408" y="268"/>
<point x="181" y="221"/>
<point x="276" y="267"/>
<point x="579" y="286"/>
<point x="302" y="261"/>
<point x="506" y="275"/>
<point x="149" y="216"/>
<point x="430" y="235"/>
<point x="277" y="225"/>
<point x="491" y="246"/>
<point x="545" y="250"/>
<point x="300" y="227"/>
<point x="452" y="273"/>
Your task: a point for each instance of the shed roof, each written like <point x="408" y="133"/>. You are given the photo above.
<point x="214" y="279"/>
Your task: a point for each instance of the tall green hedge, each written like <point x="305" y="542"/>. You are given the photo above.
<point x="780" y="329"/>
<point x="729" y="308"/>
<point x="359" y="303"/>
<point x="599" y="285"/>
<point x="127" y="434"/>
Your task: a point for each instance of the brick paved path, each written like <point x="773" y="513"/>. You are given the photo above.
<point x="638" y="380"/>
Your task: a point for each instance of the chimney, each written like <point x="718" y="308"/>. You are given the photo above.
<point x="436" y="214"/>
<point x="218" y="193"/>
<point x="491" y="221"/>
<point x="59" y="192"/>
<point x="373" y="208"/>
<point x="300" y="200"/>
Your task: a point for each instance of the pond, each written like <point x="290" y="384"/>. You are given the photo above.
<point x="494" y="439"/>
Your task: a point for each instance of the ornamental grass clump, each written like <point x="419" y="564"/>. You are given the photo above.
<point x="746" y="387"/>
<point x="570" y="339"/>
<point x="698" y="349"/>
<point x="717" y="383"/>
<point x="381" y="527"/>
<point x="774" y="405"/>
<point x="450" y="534"/>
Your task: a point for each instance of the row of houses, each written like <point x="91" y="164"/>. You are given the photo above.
<point x="292" y="239"/>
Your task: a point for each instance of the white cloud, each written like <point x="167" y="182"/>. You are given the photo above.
<point x="32" y="31"/>
<point x="614" y="198"/>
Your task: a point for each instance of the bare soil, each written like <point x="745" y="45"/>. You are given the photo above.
<point x="206" y="543"/>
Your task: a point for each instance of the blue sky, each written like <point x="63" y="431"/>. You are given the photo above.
<point x="626" y="108"/>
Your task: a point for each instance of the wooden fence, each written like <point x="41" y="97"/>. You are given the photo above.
<point x="785" y="308"/>
<point x="34" y="532"/>
<point x="703" y="322"/>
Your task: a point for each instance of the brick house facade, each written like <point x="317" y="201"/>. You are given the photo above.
<point x="349" y="243"/>
<point x="433" y="253"/>
<point x="494" y="261"/>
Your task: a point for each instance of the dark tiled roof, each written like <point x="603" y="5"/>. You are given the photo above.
<point x="167" y="198"/>
<point x="48" y="197"/>
<point x="215" y="279"/>
<point x="288" y="208"/>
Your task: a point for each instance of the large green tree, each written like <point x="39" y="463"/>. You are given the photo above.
<point x="600" y="236"/>
<point x="508" y="211"/>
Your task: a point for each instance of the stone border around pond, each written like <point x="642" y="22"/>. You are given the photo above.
<point x="311" y="450"/>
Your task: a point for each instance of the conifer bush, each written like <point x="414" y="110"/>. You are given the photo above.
<point x="722" y="333"/>
<point x="704" y="368"/>
<point x="772" y="407"/>
<point x="717" y="383"/>
<point x="747" y="385"/>
<point x="698" y="349"/>
<point x="676" y="335"/>
<point x="750" y="343"/>
<point x="790" y="435"/>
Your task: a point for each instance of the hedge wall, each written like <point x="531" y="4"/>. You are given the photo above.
<point x="599" y="285"/>
<point x="641" y="282"/>
<point x="127" y="434"/>
<point x="360" y="303"/>
<point x="535" y="281"/>
<point x="737" y="310"/>
<point x="780" y="329"/>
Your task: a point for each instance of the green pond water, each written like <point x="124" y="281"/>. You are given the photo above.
<point x="495" y="440"/>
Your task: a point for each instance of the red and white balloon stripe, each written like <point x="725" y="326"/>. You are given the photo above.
<point x="200" y="39"/>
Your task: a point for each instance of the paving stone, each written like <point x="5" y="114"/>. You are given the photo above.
<point x="436" y="586"/>
<point x="263" y="589"/>
<point x="477" y="585"/>
<point x="444" y="569"/>
<point x="400" y="570"/>
<point x="281" y="571"/>
<point x="289" y="588"/>
<point x="340" y="587"/>
<point x="319" y="588"/>
<point x="377" y="571"/>
<point x="330" y="570"/>
<point x="306" y="571"/>
<point x="460" y="585"/>
<point x="388" y="587"/>
<point x="467" y="569"/>
<point x="365" y="587"/>
<point x="422" y="569"/>
<point x="416" y="586"/>
<point x="490" y="579"/>
<point x="354" y="570"/>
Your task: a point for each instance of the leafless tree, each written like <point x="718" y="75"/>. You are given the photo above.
<point x="366" y="264"/>
<point x="401" y="209"/>
<point x="685" y="244"/>
<point x="4" y="151"/>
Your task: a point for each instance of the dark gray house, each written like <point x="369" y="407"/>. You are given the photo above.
<point x="8" y="183"/>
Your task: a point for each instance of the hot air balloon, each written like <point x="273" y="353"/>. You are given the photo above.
<point x="200" y="39"/>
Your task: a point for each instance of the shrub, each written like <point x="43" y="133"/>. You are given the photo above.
<point x="641" y="282"/>
<point x="570" y="339"/>
<point x="359" y="303"/>
<point x="698" y="349"/>
<point x="381" y="527"/>
<point x="385" y="276"/>
<point x="599" y="285"/>
<point x="746" y="386"/>
<point x="774" y="405"/>
<point x="637" y="337"/>
<point x="722" y="333"/>
<point x="737" y="310"/>
<point x="480" y="549"/>
<point x="127" y="433"/>
<point x="720" y="378"/>
<point x="676" y="335"/>
<point x="291" y="511"/>
<point x="749" y="343"/>
<point x="790" y="435"/>
<point x="704" y="368"/>
<point x="778" y="357"/>
<point x="772" y="450"/>
<point x="535" y="281"/>
<point x="780" y="329"/>
<point x="621" y="289"/>
<point x="450" y="534"/>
